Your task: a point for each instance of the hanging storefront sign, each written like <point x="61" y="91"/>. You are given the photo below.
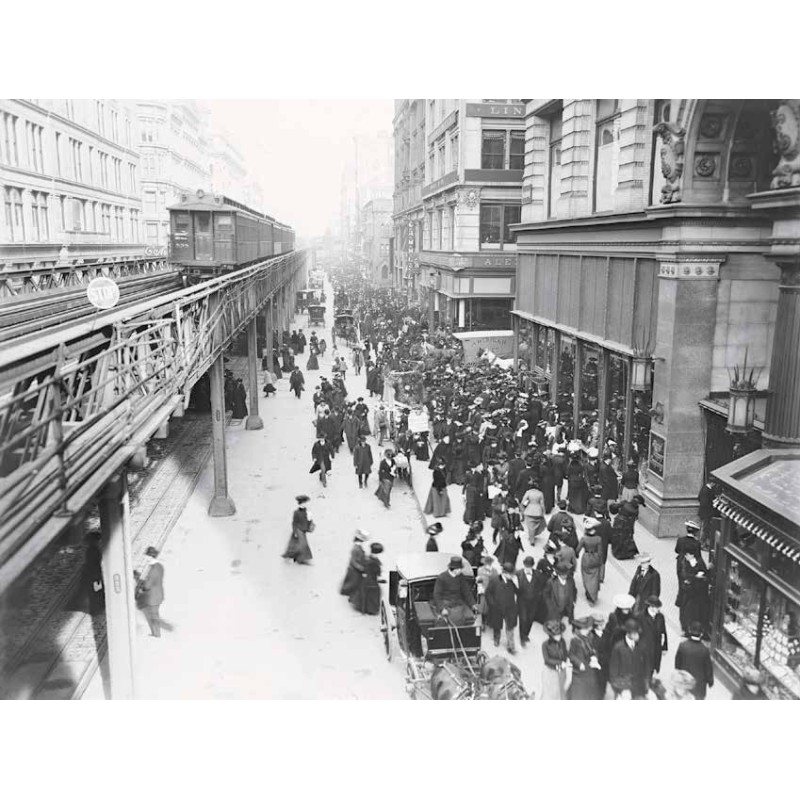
<point x="658" y="452"/>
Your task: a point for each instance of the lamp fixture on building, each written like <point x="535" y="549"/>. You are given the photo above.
<point x="742" y="405"/>
<point x="641" y="373"/>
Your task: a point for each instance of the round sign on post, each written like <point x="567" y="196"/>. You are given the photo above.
<point x="103" y="293"/>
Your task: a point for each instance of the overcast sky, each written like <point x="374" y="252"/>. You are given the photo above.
<point x="297" y="150"/>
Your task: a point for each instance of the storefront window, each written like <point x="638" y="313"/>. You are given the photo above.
<point x="566" y="386"/>
<point x="758" y="619"/>
<point x="526" y="337"/>
<point x="616" y="387"/>
<point x="641" y="419"/>
<point x="589" y="423"/>
<point x="545" y="345"/>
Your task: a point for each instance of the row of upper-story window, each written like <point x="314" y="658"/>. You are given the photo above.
<point x="31" y="216"/>
<point x="26" y="145"/>
<point x="97" y="115"/>
<point x="606" y="154"/>
<point x="501" y="149"/>
<point x="494" y="233"/>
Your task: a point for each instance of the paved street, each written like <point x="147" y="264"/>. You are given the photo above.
<point x="247" y="624"/>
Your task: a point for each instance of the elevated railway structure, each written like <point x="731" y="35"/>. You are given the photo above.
<point x="79" y="401"/>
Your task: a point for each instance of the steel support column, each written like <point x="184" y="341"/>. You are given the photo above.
<point x="117" y="567"/>
<point x="268" y="327"/>
<point x="254" y="422"/>
<point x="221" y="505"/>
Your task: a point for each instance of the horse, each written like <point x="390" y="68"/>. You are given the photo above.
<point x="496" y="679"/>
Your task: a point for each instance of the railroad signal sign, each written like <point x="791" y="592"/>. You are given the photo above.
<point x="103" y="293"/>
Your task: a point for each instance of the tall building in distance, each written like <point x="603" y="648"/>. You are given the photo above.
<point x="367" y="176"/>
<point x="409" y="176"/>
<point x="181" y="153"/>
<point x="454" y="229"/>
<point x="376" y="232"/>
<point x="174" y="143"/>
<point x="69" y="179"/>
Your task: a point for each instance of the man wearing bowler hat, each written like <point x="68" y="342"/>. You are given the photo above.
<point x="646" y="582"/>
<point x="654" y="631"/>
<point x="694" y="657"/>
<point x="629" y="670"/>
<point x="530" y="594"/>
<point x="501" y="598"/>
<point x="452" y="597"/>
<point x="150" y="591"/>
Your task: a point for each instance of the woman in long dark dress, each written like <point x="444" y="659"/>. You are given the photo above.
<point x="297" y="549"/>
<point x="438" y="502"/>
<point x="471" y="499"/>
<point x="508" y="549"/>
<point x="554" y="652"/>
<point x="313" y="361"/>
<point x="623" y="546"/>
<point x="577" y="489"/>
<point x="547" y="483"/>
<point x="276" y="365"/>
<point x="585" y="664"/>
<point x="591" y="560"/>
<point x="356" y="566"/>
<point x="367" y="599"/>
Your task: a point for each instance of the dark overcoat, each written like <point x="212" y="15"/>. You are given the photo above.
<point x="501" y="600"/>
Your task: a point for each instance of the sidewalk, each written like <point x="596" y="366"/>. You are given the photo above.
<point x="618" y="577"/>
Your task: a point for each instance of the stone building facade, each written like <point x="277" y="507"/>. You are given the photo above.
<point x="376" y="227"/>
<point x="69" y="180"/>
<point x="653" y="247"/>
<point x="409" y="177"/>
<point x="471" y="198"/>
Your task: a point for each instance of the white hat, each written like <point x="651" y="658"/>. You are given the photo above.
<point x="589" y="523"/>
<point x="623" y="601"/>
<point x="593" y="452"/>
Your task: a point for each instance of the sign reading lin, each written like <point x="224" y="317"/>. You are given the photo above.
<point x="496" y="110"/>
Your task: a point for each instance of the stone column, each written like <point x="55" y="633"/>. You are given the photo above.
<point x="687" y="308"/>
<point x="253" y="422"/>
<point x="117" y="567"/>
<point x="221" y="504"/>
<point x="782" y="424"/>
<point x="462" y="313"/>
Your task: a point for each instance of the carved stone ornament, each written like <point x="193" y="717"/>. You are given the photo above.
<point x="711" y="126"/>
<point x="469" y="198"/>
<point x="705" y="165"/>
<point x="741" y="167"/>
<point x="672" y="149"/>
<point x="786" y="122"/>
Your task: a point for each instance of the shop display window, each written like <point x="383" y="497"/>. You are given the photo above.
<point x="526" y="343"/>
<point x="616" y="388"/>
<point x="545" y="345"/>
<point x="760" y="628"/>
<point x="589" y="423"/>
<point x="566" y="386"/>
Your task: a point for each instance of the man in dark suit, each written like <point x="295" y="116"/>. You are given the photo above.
<point x="608" y="481"/>
<point x="452" y="597"/>
<point x="629" y="670"/>
<point x="705" y="498"/>
<point x="530" y="589"/>
<point x="687" y="544"/>
<point x="694" y="657"/>
<point x="150" y="591"/>
<point x="559" y="595"/>
<point x="654" y="631"/>
<point x="501" y="599"/>
<point x="646" y="582"/>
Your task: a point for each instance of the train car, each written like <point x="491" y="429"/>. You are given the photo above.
<point x="212" y="234"/>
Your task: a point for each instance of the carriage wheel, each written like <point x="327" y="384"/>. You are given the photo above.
<point x="386" y="630"/>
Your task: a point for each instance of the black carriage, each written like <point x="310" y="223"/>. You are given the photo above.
<point x="345" y="325"/>
<point x="305" y="298"/>
<point x="409" y="622"/>
<point x="316" y="315"/>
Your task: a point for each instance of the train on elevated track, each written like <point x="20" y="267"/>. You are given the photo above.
<point x="211" y="235"/>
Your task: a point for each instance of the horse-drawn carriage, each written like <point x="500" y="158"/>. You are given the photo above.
<point x="316" y="315"/>
<point x="305" y="298"/>
<point x="444" y="661"/>
<point x="344" y="325"/>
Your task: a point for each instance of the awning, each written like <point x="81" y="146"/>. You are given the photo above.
<point x="777" y="542"/>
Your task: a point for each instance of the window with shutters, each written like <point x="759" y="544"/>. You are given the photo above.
<point x="494" y="226"/>
<point x="606" y="154"/>
<point x="15" y="221"/>
<point x="493" y="150"/>
<point x="554" y="164"/>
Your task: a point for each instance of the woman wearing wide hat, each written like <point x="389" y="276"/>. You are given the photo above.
<point x="367" y="599"/>
<point x="438" y="502"/>
<point x="554" y="651"/>
<point x="298" y="549"/>
<point x="355" y="569"/>
<point x="585" y="664"/>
